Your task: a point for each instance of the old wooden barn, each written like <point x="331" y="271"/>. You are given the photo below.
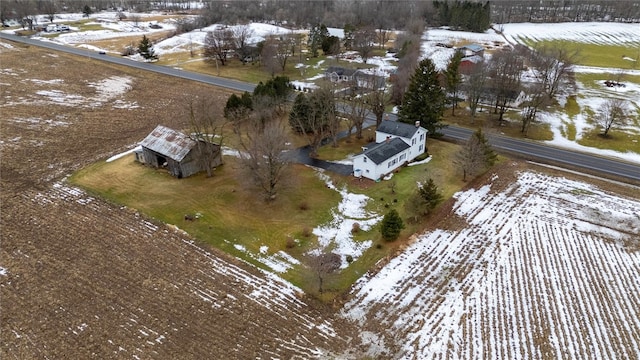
<point x="181" y="155"/>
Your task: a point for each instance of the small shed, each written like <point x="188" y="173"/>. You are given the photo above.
<point x="177" y="152"/>
<point x="471" y="49"/>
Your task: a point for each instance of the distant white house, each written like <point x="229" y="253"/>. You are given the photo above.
<point x="397" y="143"/>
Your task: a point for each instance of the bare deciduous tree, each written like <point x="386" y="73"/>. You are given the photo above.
<point x="377" y="100"/>
<point x="612" y="112"/>
<point x="49" y="8"/>
<point x="207" y="131"/>
<point x="268" y="55"/>
<point x="324" y="264"/>
<point x="262" y="143"/>
<point x="409" y="55"/>
<point x="218" y="44"/>
<point x="553" y="65"/>
<point x="363" y="42"/>
<point x="536" y="98"/>
<point x="505" y="69"/>
<point x="474" y="86"/>
<point x="354" y="108"/>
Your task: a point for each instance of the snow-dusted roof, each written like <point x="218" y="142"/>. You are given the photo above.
<point x="168" y="142"/>
<point x="473" y="47"/>
<point x="397" y="128"/>
<point x="385" y="150"/>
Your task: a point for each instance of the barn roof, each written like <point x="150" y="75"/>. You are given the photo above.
<point x="472" y="59"/>
<point x="385" y="150"/>
<point x="168" y="142"/>
<point x="397" y="128"/>
<point x="473" y="47"/>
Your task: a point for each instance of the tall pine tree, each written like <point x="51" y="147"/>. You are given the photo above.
<point x="424" y="100"/>
<point x="145" y="48"/>
<point x="454" y="79"/>
<point x="391" y="225"/>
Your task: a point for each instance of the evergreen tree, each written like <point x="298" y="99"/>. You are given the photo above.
<point x="86" y="11"/>
<point x="300" y="112"/>
<point x="238" y="107"/>
<point x="424" y="100"/>
<point x="489" y="156"/>
<point x="426" y="198"/>
<point x="277" y="88"/>
<point x="145" y="48"/>
<point x="454" y="79"/>
<point x="391" y="225"/>
<point x="317" y="36"/>
<point x="475" y="155"/>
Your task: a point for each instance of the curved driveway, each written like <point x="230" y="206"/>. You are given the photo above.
<point x="626" y="171"/>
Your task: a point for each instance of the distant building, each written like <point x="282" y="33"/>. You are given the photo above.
<point x="396" y="144"/>
<point x="471" y="50"/>
<point x="472" y="54"/>
<point x="360" y="78"/>
<point x="175" y="151"/>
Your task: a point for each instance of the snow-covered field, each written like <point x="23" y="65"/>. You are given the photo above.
<point x="545" y="268"/>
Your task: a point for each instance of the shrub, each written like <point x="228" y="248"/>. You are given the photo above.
<point x="349" y="259"/>
<point x="391" y="225"/>
<point x="290" y="243"/>
<point x="355" y="228"/>
<point x="306" y="232"/>
<point x="303" y="206"/>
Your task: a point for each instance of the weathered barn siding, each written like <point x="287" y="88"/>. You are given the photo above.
<point x="175" y="151"/>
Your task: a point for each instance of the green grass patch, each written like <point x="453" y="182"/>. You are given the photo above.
<point x="569" y="130"/>
<point x="572" y="108"/>
<point x="600" y="55"/>
<point x="616" y="140"/>
<point x="234" y="218"/>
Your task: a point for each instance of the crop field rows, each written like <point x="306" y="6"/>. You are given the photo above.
<point x="531" y="276"/>
<point x="162" y="292"/>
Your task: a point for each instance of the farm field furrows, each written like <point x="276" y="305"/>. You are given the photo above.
<point x="529" y="266"/>
<point x="84" y="278"/>
<point x="545" y="268"/>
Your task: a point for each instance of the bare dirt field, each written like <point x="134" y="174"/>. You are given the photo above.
<point x="83" y="278"/>
<point x="523" y="264"/>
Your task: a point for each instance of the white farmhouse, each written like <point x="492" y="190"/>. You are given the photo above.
<point x="396" y="144"/>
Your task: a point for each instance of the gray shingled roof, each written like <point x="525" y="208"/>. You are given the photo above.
<point x="340" y="71"/>
<point x="385" y="150"/>
<point x="397" y="128"/>
<point x="168" y="142"/>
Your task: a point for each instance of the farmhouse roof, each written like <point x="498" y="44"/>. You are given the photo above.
<point x="385" y="150"/>
<point x="340" y="71"/>
<point x="473" y="47"/>
<point x="168" y="142"/>
<point x="397" y="128"/>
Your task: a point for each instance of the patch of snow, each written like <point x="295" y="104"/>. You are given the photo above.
<point x="336" y="235"/>
<point x="123" y="154"/>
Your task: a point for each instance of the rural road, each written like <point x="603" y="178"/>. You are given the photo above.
<point x="535" y="151"/>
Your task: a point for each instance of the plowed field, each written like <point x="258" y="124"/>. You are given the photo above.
<point x="523" y="265"/>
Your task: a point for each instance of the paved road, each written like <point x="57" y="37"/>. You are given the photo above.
<point x="528" y="149"/>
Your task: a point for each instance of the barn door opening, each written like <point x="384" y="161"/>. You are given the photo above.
<point x="162" y="161"/>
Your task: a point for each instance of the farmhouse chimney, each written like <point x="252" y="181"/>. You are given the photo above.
<point x="388" y="140"/>
<point x="418" y="123"/>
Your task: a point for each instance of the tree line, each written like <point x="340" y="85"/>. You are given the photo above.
<point x="380" y="14"/>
